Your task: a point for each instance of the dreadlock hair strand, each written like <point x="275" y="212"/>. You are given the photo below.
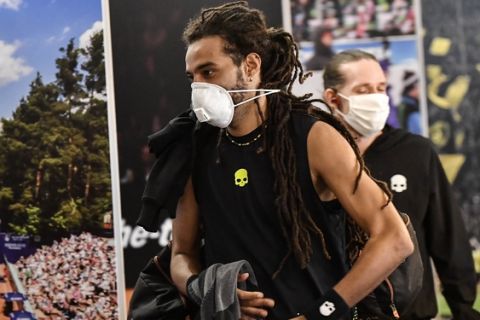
<point x="244" y="31"/>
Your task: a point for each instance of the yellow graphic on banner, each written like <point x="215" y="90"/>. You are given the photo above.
<point x="459" y="138"/>
<point x="454" y="94"/>
<point x="440" y="46"/>
<point x="452" y="163"/>
<point x="439" y="133"/>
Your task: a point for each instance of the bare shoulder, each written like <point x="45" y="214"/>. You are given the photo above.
<point x="322" y="133"/>
<point x="328" y="147"/>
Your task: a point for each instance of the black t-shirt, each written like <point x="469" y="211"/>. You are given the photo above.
<point x="236" y="203"/>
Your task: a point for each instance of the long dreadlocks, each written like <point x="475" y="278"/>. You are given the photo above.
<point x="244" y="31"/>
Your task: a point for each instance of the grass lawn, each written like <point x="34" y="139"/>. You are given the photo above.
<point x="444" y="310"/>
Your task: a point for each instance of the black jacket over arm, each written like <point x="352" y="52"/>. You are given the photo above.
<point x="173" y="147"/>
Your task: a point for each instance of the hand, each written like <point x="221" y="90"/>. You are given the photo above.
<point x="298" y="318"/>
<point x="252" y="303"/>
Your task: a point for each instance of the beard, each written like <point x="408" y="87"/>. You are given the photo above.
<point x="240" y="84"/>
<point x="242" y="111"/>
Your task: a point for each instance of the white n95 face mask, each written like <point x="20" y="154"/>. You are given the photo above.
<point x="367" y="113"/>
<point x="213" y="104"/>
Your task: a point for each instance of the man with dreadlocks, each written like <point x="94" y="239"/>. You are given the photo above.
<point x="355" y="90"/>
<point x="255" y="191"/>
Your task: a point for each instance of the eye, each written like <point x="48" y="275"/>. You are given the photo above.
<point x="208" y="73"/>
<point x="382" y="89"/>
<point x="362" y="91"/>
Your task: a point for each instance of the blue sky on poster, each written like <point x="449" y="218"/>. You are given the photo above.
<point x="403" y="50"/>
<point x="402" y="55"/>
<point x="31" y="34"/>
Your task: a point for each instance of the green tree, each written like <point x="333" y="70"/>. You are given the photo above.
<point x="68" y="77"/>
<point x="54" y="162"/>
<point x="95" y="66"/>
<point x="95" y="127"/>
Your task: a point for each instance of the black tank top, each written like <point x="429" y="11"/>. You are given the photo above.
<point x="240" y="220"/>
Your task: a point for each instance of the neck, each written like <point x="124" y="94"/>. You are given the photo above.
<point x="364" y="142"/>
<point x="247" y="118"/>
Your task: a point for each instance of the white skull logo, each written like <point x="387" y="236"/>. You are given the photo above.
<point x="398" y="183"/>
<point x="241" y="177"/>
<point x="327" y="308"/>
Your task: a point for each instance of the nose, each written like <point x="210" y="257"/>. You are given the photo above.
<point x="198" y="78"/>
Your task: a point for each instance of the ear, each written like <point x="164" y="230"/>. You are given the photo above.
<point x="252" y="65"/>
<point x="332" y="99"/>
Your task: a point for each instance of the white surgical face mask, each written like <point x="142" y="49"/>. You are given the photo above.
<point x="213" y="104"/>
<point x="367" y="113"/>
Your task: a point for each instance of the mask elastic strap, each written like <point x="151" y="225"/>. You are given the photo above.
<point x="338" y="110"/>
<point x="253" y="90"/>
<point x="268" y="91"/>
<point x="343" y="115"/>
<point x="344" y="97"/>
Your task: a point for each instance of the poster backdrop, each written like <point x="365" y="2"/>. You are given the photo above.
<point x="56" y="242"/>
<point x="452" y="68"/>
<point x="150" y="89"/>
<point x="387" y="29"/>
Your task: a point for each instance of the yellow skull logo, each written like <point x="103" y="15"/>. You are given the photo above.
<point x="241" y="177"/>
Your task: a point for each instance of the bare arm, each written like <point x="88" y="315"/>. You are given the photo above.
<point x="334" y="165"/>
<point x="186" y="239"/>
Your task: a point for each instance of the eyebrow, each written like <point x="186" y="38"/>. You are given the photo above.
<point x="202" y="66"/>
<point x="369" y="85"/>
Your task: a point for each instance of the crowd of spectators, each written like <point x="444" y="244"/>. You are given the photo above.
<point x="74" y="278"/>
<point x="352" y="19"/>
